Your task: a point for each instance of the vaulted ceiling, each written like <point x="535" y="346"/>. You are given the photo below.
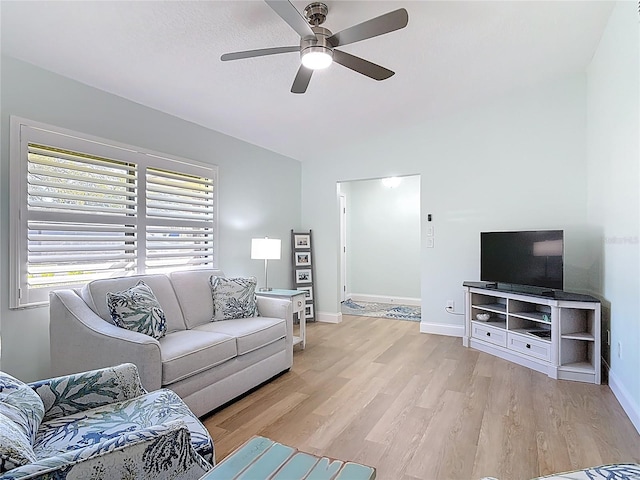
<point x="166" y="55"/>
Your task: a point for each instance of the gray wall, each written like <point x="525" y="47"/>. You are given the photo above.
<point x="259" y="191"/>
<point x="383" y="226"/>
<point x="516" y="163"/>
<point x="613" y="132"/>
<point x="557" y="156"/>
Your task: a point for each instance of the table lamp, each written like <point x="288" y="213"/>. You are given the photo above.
<point x="265" y="249"/>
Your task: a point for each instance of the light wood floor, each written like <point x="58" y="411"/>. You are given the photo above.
<point x="418" y="406"/>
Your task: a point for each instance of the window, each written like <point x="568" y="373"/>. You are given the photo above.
<point x="84" y="208"/>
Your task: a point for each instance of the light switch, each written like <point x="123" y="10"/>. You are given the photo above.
<point x="430" y="231"/>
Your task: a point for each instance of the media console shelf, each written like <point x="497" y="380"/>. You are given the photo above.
<point x="556" y="333"/>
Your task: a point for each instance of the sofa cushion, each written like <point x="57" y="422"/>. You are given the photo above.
<point x="20" y="404"/>
<point x="250" y="333"/>
<point x="95" y="295"/>
<point x="15" y="446"/>
<point x="82" y="429"/>
<point x="137" y="309"/>
<point x="189" y="352"/>
<point x="194" y="294"/>
<point x="233" y="297"/>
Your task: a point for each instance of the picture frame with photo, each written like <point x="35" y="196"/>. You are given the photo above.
<point x="303" y="258"/>
<point x="303" y="268"/>
<point x="309" y="292"/>
<point x="304" y="275"/>
<point x="308" y="310"/>
<point x="301" y="241"/>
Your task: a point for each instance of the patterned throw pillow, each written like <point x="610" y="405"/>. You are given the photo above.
<point x="233" y="297"/>
<point x="15" y="448"/>
<point x="137" y="309"/>
<point x="20" y="404"/>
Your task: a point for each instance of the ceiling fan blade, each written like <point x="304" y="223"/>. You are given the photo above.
<point x="386" y="23"/>
<point x="302" y="79"/>
<point x="292" y="16"/>
<point x="258" y="53"/>
<point x="360" y="65"/>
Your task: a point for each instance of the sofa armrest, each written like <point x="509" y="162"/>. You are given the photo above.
<point x="81" y="340"/>
<point x="279" y="308"/>
<point x="74" y="393"/>
<point x="155" y="453"/>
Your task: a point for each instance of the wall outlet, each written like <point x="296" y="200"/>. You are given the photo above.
<point x="451" y="305"/>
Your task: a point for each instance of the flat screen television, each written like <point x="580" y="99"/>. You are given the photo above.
<point x="527" y="258"/>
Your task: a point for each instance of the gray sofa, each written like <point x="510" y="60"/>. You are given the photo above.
<point x="206" y="363"/>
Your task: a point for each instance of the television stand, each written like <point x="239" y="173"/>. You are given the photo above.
<point x="555" y="332"/>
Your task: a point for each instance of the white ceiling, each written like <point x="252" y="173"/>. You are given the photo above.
<point x="166" y="55"/>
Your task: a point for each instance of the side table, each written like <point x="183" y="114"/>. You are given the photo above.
<point x="298" y="300"/>
<point x="261" y="458"/>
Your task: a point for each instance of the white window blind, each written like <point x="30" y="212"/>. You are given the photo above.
<point x="180" y="214"/>
<point x="84" y="209"/>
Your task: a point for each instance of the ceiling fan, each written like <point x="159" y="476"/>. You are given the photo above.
<point x="318" y="46"/>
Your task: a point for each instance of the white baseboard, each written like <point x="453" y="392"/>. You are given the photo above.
<point x="362" y="297"/>
<point x="631" y="408"/>
<point x="442" y="329"/>
<point x="329" y="317"/>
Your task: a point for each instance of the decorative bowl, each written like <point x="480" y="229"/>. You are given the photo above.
<point x="483" y="317"/>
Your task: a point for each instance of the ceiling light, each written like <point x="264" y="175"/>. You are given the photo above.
<point x="316" y="57"/>
<point x="391" y="182"/>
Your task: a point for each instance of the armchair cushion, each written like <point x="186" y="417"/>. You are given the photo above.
<point x="74" y="393"/>
<point x="20" y="404"/>
<point x="15" y="447"/>
<point x="158" y="452"/>
<point x="137" y="309"/>
<point x="233" y="297"/>
<point x="104" y="423"/>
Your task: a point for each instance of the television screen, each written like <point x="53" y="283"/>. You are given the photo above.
<point x="531" y="258"/>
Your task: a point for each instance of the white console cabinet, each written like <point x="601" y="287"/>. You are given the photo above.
<point x="557" y="334"/>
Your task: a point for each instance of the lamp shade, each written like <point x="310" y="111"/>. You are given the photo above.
<point x="265" y="248"/>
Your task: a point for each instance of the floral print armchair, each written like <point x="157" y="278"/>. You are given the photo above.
<point x="98" y="424"/>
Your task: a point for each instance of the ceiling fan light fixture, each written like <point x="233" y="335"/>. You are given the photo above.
<point x="316" y="58"/>
<point x="318" y="46"/>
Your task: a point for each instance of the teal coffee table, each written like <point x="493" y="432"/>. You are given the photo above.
<point x="261" y="458"/>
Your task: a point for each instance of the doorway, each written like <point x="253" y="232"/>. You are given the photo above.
<point x="380" y="240"/>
